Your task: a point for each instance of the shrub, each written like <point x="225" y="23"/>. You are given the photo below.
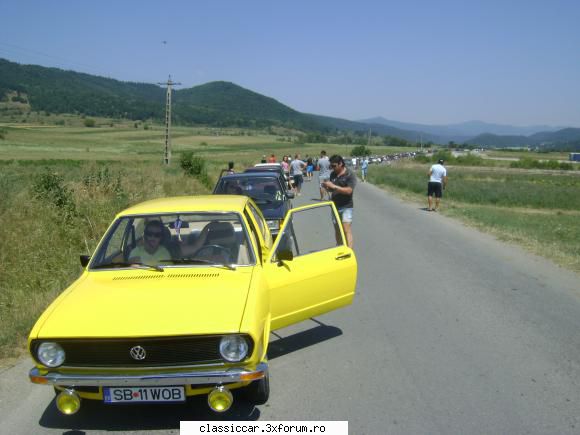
<point x="89" y="122"/>
<point x="50" y="187"/>
<point x="103" y="180"/>
<point x="195" y="166"/>
<point x="361" y="151"/>
<point x="528" y="163"/>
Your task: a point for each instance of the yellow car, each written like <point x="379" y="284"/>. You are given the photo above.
<point x="179" y="299"/>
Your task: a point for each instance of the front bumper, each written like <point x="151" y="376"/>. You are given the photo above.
<point x="197" y="377"/>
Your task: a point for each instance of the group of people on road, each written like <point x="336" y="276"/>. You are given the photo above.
<point x="337" y="182"/>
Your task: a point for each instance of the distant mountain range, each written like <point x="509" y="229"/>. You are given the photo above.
<point x="226" y="104"/>
<point x="465" y="130"/>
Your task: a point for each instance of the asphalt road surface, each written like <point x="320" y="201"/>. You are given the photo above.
<point x="451" y="332"/>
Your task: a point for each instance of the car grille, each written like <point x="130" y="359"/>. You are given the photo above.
<point x="160" y="352"/>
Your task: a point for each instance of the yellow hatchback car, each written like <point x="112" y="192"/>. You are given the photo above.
<point x="180" y="297"/>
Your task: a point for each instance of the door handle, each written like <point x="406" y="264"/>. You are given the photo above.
<point x="342" y="257"/>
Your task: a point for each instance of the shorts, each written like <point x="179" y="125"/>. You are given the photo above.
<point x="309" y="169"/>
<point x="345" y="215"/>
<point x="322" y="180"/>
<point x="298" y="180"/>
<point x="434" y="189"/>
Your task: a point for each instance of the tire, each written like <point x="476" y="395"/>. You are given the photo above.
<point x="258" y="391"/>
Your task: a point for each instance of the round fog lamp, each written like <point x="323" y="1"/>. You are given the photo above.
<point x="68" y="402"/>
<point x="233" y="348"/>
<point x="220" y="399"/>
<point x="50" y="354"/>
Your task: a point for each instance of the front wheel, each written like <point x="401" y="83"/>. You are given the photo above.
<point x="258" y="391"/>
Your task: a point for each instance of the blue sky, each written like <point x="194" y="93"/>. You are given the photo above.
<point x="435" y="62"/>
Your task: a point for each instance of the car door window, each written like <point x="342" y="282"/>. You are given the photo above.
<point x="310" y="230"/>
<point x="117" y="241"/>
<point x="254" y="234"/>
<point x="259" y="221"/>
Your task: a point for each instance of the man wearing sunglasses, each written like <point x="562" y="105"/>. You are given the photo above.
<point x="341" y="187"/>
<point x="151" y="252"/>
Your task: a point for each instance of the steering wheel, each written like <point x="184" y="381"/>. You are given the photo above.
<point x="209" y="250"/>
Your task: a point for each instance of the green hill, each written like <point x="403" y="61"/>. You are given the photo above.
<point x="215" y="104"/>
<point x="230" y="104"/>
<point x="218" y="103"/>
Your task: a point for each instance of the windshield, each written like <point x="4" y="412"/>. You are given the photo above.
<point x="166" y="240"/>
<point x="260" y="189"/>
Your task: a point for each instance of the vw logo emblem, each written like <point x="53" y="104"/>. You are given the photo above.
<point x="138" y="353"/>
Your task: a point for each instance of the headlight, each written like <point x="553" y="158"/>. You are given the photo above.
<point x="50" y="354"/>
<point x="233" y="348"/>
<point x="273" y="225"/>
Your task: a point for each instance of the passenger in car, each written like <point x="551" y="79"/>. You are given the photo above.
<point x="151" y="252"/>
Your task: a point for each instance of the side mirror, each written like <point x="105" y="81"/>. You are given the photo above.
<point x="85" y="260"/>
<point x="290" y="194"/>
<point x="284" y="255"/>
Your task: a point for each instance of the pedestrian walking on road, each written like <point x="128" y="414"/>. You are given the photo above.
<point x="364" y="167"/>
<point x="309" y="168"/>
<point x="437" y="183"/>
<point x="296" y="168"/>
<point x="341" y="185"/>
<point x="323" y="174"/>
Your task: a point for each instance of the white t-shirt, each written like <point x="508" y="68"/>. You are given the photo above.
<point x="437" y="173"/>
<point x="296" y="167"/>
<point x="324" y="165"/>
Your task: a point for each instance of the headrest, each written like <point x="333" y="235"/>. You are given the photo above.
<point x="220" y="231"/>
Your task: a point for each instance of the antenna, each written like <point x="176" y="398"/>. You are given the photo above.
<point x="167" y="153"/>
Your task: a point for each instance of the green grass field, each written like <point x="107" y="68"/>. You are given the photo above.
<point x="537" y="209"/>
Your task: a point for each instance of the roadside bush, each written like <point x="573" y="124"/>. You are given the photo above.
<point x="360" y="151"/>
<point x="50" y="187"/>
<point x="528" y="163"/>
<point x="195" y="166"/>
<point x="103" y="180"/>
<point x="421" y="158"/>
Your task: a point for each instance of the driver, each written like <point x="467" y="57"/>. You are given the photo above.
<point x="151" y="252"/>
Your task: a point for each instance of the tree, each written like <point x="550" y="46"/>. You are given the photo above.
<point x="360" y="151"/>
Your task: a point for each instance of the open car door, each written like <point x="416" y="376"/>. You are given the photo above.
<point x="310" y="270"/>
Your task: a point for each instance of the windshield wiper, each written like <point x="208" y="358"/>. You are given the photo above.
<point x="129" y="264"/>
<point x="200" y="261"/>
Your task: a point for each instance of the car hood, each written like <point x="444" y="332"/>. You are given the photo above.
<point x="149" y="303"/>
<point x="273" y="210"/>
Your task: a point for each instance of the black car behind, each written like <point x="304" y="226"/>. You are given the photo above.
<point x="267" y="191"/>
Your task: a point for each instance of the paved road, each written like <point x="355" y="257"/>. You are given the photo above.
<point x="451" y="332"/>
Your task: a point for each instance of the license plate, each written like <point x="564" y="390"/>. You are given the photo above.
<point x="143" y="394"/>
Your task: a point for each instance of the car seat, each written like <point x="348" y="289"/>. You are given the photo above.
<point x="223" y="234"/>
<point x="270" y="190"/>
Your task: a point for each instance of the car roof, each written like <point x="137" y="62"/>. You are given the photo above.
<point x="253" y="174"/>
<point x="261" y="165"/>
<point x="270" y="169"/>
<point x="184" y="204"/>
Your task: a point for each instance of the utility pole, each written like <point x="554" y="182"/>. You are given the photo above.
<point x="167" y="153"/>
